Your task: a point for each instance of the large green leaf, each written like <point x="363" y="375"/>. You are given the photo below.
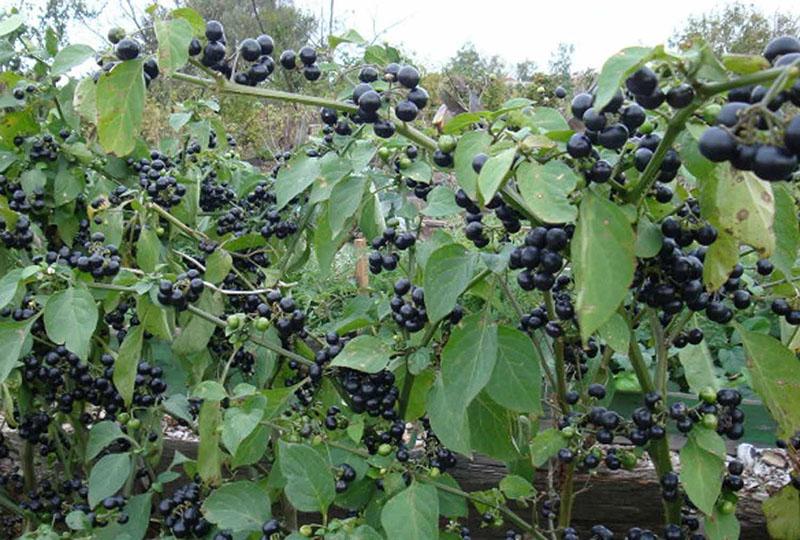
<point x="450" y="423"/>
<point x="603" y="261"/>
<point x="545" y="445"/>
<point x="787" y="234"/>
<point x="194" y="337"/>
<point x="209" y="458"/>
<point x="494" y="172"/>
<point x="13" y="335"/>
<point x="70" y="317"/>
<point x="441" y="203"/>
<point x="173" y="44"/>
<point x="450" y="505"/>
<point x="516" y="381"/>
<point x="69" y="57"/>
<point x="546" y="189"/>
<point x="615" y="70"/>
<point x="345" y="198"/>
<point x="100" y="436"/>
<point x="309" y="481"/>
<point x="491" y="429"/>
<point x="11" y="23"/>
<point x="702" y="467"/>
<point x="241" y="421"/>
<point x="776" y="377"/>
<point x="365" y="353"/>
<point x="783" y="513"/>
<point x="148" y="249"/>
<point x="469" y="358"/>
<point x="412" y="514"/>
<point x="698" y="366"/>
<point x="9" y="285"/>
<point x="295" y="176"/>
<point x="108" y="476"/>
<point x="720" y="259"/>
<point x="448" y="271"/>
<point x="721" y="526"/>
<point x="238" y="506"/>
<point x="746" y="207"/>
<point x="120" y="103"/>
<point x="127" y="362"/>
<point x="469" y="145"/>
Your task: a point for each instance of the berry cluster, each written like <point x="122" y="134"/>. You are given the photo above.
<point x="20" y="237"/>
<point x="18" y="199"/>
<point x="213" y="194"/>
<point x="155" y="177"/>
<point x="539" y="257"/>
<point x="97" y="258"/>
<point x="373" y="393"/>
<point x="28" y="308"/>
<point x="717" y="410"/>
<point x="411" y="316"/>
<point x="475" y="230"/>
<point x="182" y="513"/>
<point x="750" y="111"/>
<point x="44" y="148"/>
<point x="345" y="475"/>
<point x="402" y="241"/>
<point x="186" y="288"/>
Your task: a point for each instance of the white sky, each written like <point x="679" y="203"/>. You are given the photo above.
<point x="522" y="29"/>
<point x="516" y="30"/>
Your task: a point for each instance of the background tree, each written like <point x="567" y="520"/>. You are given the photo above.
<point x="560" y="64"/>
<point x="736" y="28"/>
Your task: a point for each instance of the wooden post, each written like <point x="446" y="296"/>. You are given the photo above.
<point x="362" y="270"/>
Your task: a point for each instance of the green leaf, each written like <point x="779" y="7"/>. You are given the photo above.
<point x="209" y="390"/>
<point x="173" y="44"/>
<point x="721" y="526"/>
<point x="11" y="23"/>
<point x="546" y="188"/>
<point x="516" y="487"/>
<point x="545" y="445"/>
<point x="702" y="467"/>
<point x="241" y="421"/>
<point x="148" y="250"/>
<point x="775" y="377"/>
<point x="419" y="360"/>
<point x="120" y="103"/>
<point x="68" y="184"/>
<point x="70" y="317"/>
<point x="615" y="333"/>
<point x="516" y="381"/>
<point x="127" y="362"/>
<point x="13" y="335"/>
<point x="441" y="203"/>
<point x="744" y="64"/>
<point x="451" y="423"/>
<point x="365" y="353"/>
<point x="108" y="476"/>
<point x="218" y="265"/>
<point x="238" y="506"/>
<point x="295" y="176"/>
<point x="345" y="198"/>
<point x="100" y="436"/>
<point x="450" y="504"/>
<point x="9" y="285"/>
<point x="494" y="173"/>
<point x="469" y="145"/>
<point x="70" y="57"/>
<point x="309" y="481"/>
<point x="491" y="429"/>
<point x="84" y="101"/>
<point x="252" y="449"/>
<point x="783" y="513"/>
<point x="193" y="17"/>
<point x="209" y="458"/>
<point x="698" y="366"/>
<point x="615" y="70"/>
<point x="648" y="238"/>
<point x="720" y="259"/>
<point x="412" y="514"/>
<point x="746" y="209"/>
<point x="603" y="261"/>
<point x="194" y="337"/>
<point x="787" y="234"/>
<point x="448" y="271"/>
<point x="138" y="511"/>
<point x="469" y="357"/>
<point x="153" y="317"/>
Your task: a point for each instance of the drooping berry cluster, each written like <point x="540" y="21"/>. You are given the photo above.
<point x="539" y="257"/>
<point x="182" y="512"/>
<point x="186" y="289"/>
<point x="20" y="236"/>
<point x="409" y="315"/>
<point x="402" y="241"/>
<point x="156" y="178"/>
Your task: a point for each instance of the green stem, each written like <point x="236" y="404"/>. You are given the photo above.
<point x="178" y="223"/>
<point x="658" y="450"/>
<point x="566" y="496"/>
<point x="661" y="352"/>
<point x="266" y="344"/>
<point x="507" y="512"/>
<point x="760" y="77"/>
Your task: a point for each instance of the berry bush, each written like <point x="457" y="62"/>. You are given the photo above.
<point x="642" y="238"/>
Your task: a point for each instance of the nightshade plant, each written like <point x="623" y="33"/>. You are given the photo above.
<point x="151" y="286"/>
